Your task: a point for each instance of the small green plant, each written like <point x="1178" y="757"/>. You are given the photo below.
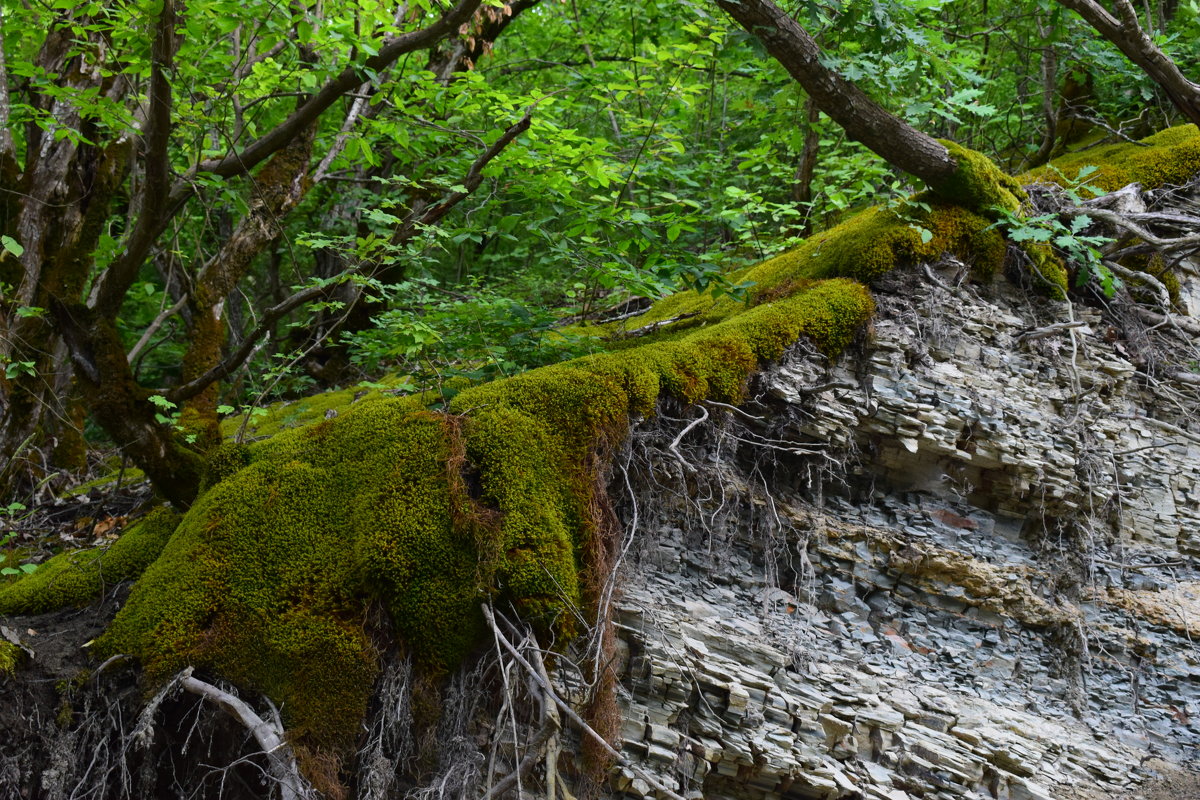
<point x="168" y="414"/>
<point x="13" y="510"/>
<point x="1069" y="237"/>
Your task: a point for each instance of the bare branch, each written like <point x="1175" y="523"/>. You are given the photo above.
<point x="279" y="755"/>
<point x="356" y="109"/>
<point x="154" y="327"/>
<point x="238" y="357"/>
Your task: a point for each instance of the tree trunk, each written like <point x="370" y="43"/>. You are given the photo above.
<point x="802" y="187"/>
<point x="1127" y="34"/>
<point x="863" y="119"/>
<point x="121" y="406"/>
<point x="278" y="188"/>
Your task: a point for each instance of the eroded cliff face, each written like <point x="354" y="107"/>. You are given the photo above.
<point x="959" y="563"/>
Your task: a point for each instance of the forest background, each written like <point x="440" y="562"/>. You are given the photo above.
<point x="211" y="206"/>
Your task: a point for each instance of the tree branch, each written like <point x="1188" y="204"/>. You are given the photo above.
<point x="423" y="216"/>
<point x="156" y="204"/>
<point x="862" y="118"/>
<point x="154" y="327"/>
<point x="114" y="283"/>
<point x="1129" y="37"/>
<point x="272" y="315"/>
<point x="240" y="162"/>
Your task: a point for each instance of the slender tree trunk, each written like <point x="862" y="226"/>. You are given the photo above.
<point x="1049" y="91"/>
<point x="278" y="188"/>
<point x="802" y="187"/>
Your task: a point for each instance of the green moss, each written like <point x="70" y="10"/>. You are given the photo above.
<point x="223" y="461"/>
<point x="1168" y="157"/>
<point x="864" y="248"/>
<point x="978" y="184"/>
<point x="1048" y="271"/>
<point x="10" y="658"/>
<point x="269" y="420"/>
<point x="75" y="578"/>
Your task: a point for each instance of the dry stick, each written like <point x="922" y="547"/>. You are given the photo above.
<point x="279" y="755"/>
<point x="1130" y="223"/>
<point x="570" y="712"/>
<point x="1049" y="330"/>
<point x="551" y="712"/>
<point x="1183" y="323"/>
<point x="1164" y="425"/>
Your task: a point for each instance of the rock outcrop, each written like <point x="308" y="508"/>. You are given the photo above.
<point x="979" y="579"/>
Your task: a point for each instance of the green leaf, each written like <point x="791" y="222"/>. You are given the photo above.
<point x="11" y="245"/>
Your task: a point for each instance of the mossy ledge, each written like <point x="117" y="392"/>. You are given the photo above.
<point x="1168" y="157"/>
<point x="77" y="577"/>
<point x="270" y="579"/>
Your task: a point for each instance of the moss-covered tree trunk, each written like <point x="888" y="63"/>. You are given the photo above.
<point x="863" y="119"/>
<point x="278" y="188"/>
<point x="952" y="172"/>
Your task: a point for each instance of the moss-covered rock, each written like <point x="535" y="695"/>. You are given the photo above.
<point x="77" y="577"/>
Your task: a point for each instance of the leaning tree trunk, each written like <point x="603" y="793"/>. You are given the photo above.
<point x="862" y="118"/>
<point x="1133" y="41"/>
<point x="278" y="188"/>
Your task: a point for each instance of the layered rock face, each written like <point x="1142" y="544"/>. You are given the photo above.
<point x="960" y="563"/>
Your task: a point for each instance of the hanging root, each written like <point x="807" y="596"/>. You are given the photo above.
<point x="538" y="676"/>
<point x="281" y="760"/>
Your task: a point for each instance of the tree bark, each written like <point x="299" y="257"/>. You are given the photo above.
<point x="863" y="119"/>
<point x="278" y="188"/>
<point x="1125" y="31"/>
<point x="802" y="188"/>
